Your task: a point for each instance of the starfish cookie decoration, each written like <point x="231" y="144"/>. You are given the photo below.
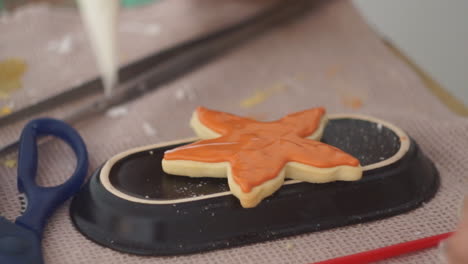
<point x="256" y="156"/>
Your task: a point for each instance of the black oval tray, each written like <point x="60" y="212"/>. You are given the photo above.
<point x="137" y="208"/>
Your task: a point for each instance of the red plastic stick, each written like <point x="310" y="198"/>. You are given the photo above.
<point x="389" y="251"/>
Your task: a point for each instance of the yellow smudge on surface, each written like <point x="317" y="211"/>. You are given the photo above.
<point x="11" y="71"/>
<point x="123" y="57"/>
<point x="257" y="98"/>
<point x="353" y="102"/>
<point x="289" y="245"/>
<point x="332" y="71"/>
<point x="5" y="111"/>
<point x="10" y="163"/>
<point x="260" y="96"/>
<point x="299" y="76"/>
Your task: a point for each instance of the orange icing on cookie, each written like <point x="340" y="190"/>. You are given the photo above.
<point x="258" y="151"/>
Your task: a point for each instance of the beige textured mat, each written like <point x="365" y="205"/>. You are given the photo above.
<point x="328" y="58"/>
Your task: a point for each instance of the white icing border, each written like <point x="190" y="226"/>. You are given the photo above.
<point x="104" y="174"/>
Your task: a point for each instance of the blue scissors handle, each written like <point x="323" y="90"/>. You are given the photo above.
<point x="42" y="201"/>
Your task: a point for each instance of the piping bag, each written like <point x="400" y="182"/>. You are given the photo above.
<point x="100" y="20"/>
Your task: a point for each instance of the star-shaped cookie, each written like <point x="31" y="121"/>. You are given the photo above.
<point x="257" y="156"/>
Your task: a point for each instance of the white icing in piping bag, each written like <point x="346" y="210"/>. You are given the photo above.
<point x="100" y="20"/>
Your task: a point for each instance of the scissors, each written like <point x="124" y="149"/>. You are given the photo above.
<point x="20" y="242"/>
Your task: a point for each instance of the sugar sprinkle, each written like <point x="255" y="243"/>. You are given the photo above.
<point x="116" y="112"/>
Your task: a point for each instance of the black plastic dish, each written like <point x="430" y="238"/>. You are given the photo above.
<point x="148" y="212"/>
